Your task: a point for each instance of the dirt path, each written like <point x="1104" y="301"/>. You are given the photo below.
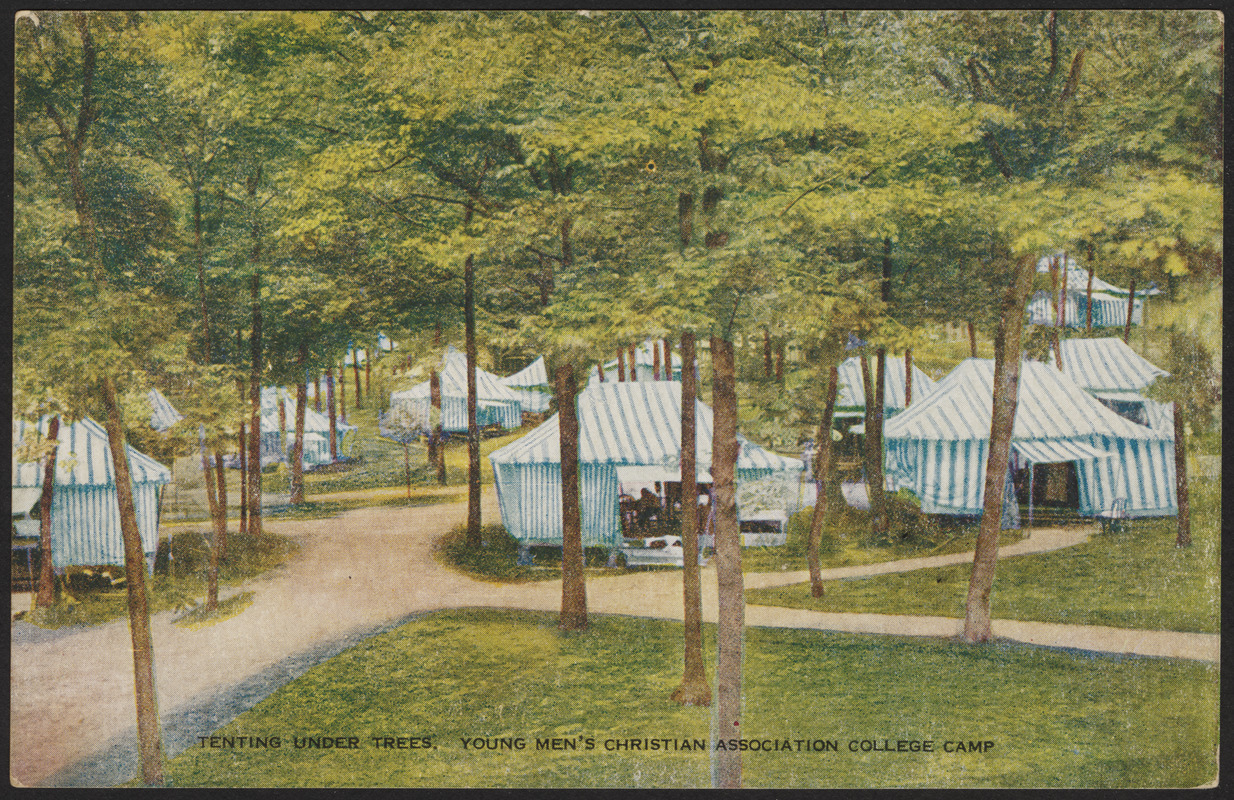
<point x="72" y="704"/>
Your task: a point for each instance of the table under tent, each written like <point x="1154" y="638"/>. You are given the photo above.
<point x="630" y="441"/>
<point x="278" y="431"/>
<point x="496" y="405"/>
<point x="85" y="515"/>
<point x="645" y="361"/>
<point x="1109" y="370"/>
<point x="531" y="386"/>
<point x="1095" y="462"/>
<point x="1109" y="302"/>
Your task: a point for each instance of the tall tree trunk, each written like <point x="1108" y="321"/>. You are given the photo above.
<point x="47" y="575"/>
<point x="473" y="430"/>
<point x="332" y="413"/>
<point x="244" y="478"/>
<point x="573" y="585"/>
<point x="879" y="522"/>
<point x="767" y="369"/>
<point x="694" y="689"/>
<point x="149" y="738"/>
<point x="297" y="445"/>
<point x="199" y="252"/>
<point x="731" y="604"/>
<point x="631" y="363"/>
<point x="317" y="394"/>
<point x="355" y="369"/>
<point x="278" y="394"/>
<point x="908" y="376"/>
<point x="655" y="360"/>
<point x="342" y="392"/>
<point x="621" y="364"/>
<point x="1062" y="294"/>
<point x="1002" y="422"/>
<point x="255" y="412"/>
<point x="668" y="360"/>
<point x="822" y="468"/>
<point x="222" y="486"/>
<point x="1130" y="308"/>
<point x="368" y="367"/>
<point x="972" y="340"/>
<point x="436" y="448"/>
<point x="1180" y="478"/>
<point x="212" y="574"/>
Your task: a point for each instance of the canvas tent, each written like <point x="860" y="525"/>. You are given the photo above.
<point x="495" y="404"/>
<point x="1116" y="375"/>
<point x="162" y="414"/>
<point x="629" y="432"/>
<point x="644" y="365"/>
<point x="937" y="448"/>
<point x="1109" y="302"/>
<point x="850" y="391"/>
<point x="276" y="448"/>
<point x="85" y="515"/>
<point x="530" y="385"/>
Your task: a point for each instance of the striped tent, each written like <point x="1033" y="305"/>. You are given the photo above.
<point x="938" y="448"/>
<point x="1109" y="302"/>
<point x="162" y="414"/>
<point x="531" y="386"/>
<point x="633" y="428"/>
<point x="644" y="365"/>
<point x="1115" y="374"/>
<point x="85" y="515"/>
<point x="495" y="404"/>
<point x="850" y="392"/>
<point x="277" y="449"/>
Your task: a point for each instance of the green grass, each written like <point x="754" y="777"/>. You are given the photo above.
<point x="1057" y="718"/>
<point x="497" y="558"/>
<point x="178" y="584"/>
<point x="1135" y="579"/>
<point x="324" y="509"/>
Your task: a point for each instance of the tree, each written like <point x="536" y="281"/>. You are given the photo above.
<point x="822" y="469"/>
<point x="573" y="588"/>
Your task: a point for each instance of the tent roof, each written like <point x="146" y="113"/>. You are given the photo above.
<point x="534" y="374"/>
<point x="1107" y="364"/>
<point x="1050" y="406"/>
<point x="851" y="391"/>
<point x="313" y="420"/>
<point x="162" y="414"/>
<point x="454" y="382"/>
<point x="83" y="457"/>
<point x="634" y="424"/>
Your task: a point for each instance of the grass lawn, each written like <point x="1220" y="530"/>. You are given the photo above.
<point x="1056" y="718"/>
<point x="1135" y="579"/>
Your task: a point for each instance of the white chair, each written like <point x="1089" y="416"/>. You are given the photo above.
<point x="1115" y="517"/>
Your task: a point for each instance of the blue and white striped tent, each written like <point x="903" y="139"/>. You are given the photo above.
<point x="625" y="428"/>
<point x="85" y="515"/>
<point x="162" y="414"/>
<point x="937" y="448"/>
<point x="531" y="386"/>
<point x="1109" y="301"/>
<point x="644" y="365"/>
<point x="1116" y="375"/>
<point x="850" y="391"/>
<point x="277" y="449"/>
<point x="495" y="404"/>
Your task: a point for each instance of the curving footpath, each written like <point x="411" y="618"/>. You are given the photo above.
<point x="72" y="720"/>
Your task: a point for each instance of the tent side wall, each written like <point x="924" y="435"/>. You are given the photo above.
<point x="1142" y="472"/>
<point x="948" y="477"/>
<point x="530" y="501"/>
<point x="86" y="524"/>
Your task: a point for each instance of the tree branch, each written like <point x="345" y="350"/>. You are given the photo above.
<point x="1073" y="79"/>
<point x="87" y="79"/>
<point x="663" y="60"/>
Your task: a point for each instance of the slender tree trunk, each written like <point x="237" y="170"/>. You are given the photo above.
<point x="1130" y="308"/>
<point x="436" y="448"/>
<point x="573" y="585"/>
<point x="631" y="363"/>
<point x="885" y="283"/>
<point x="1062" y="295"/>
<point x="874" y="441"/>
<point x="342" y="392"/>
<point x="1180" y="478"/>
<point x="317" y="394"/>
<point x="222" y="485"/>
<point x="332" y="413"/>
<point x="255" y="412"/>
<point x="655" y="360"/>
<point x="355" y="370"/>
<point x="297" y="445"/>
<point x="368" y="368"/>
<point x="694" y="689"/>
<point x="908" y="376"/>
<point x="407" y="467"/>
<point x="767" y="369"/>
<point x="47" y="575"/>
<point x="977" y="626"/>
<point x="668" y="360"/>
<point x="244" y="478"/>
<point x="1088" y="293"/>
<point x="822" y="468"/>
<point x="212" y="574"/>
<point x="621" y="364"/>
<point x="473" y="430"/>
<point x="149" y="738"/>
<point x="731" y="605"/>
<point x="278" y="394"/>
<point x="972" y="340"/>
<point x="199" y="252"/>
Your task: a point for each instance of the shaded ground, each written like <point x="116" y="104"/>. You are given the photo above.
<point x="72" y="707"/>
